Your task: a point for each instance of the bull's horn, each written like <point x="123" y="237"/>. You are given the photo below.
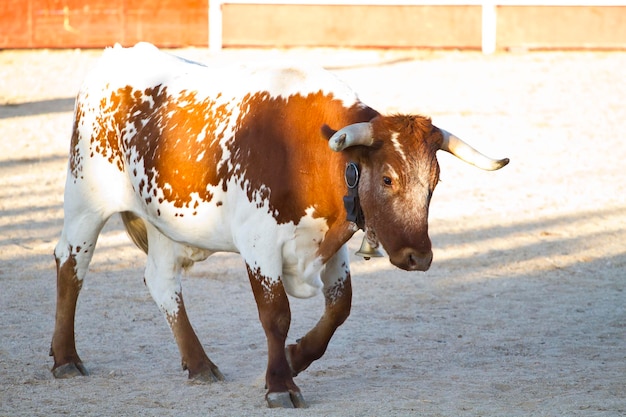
<point x="352" y="135"/>
<point x="466" y="153"/>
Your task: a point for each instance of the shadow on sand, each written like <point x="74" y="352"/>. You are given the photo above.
<point x="34" y="108"/>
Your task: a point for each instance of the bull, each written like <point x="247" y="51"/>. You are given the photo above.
<point x="279" y="163"/>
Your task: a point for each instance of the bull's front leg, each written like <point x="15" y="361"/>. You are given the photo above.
<point x="338" y="299"/>
<point x="275" y="317"/>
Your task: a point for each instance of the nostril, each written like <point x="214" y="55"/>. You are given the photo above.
<point x="418" y="260"/>
<point x="412" y="260"/>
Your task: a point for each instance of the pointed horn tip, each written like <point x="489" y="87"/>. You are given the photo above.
<point x="337" y="142"/>
<point x="498" y="163"/>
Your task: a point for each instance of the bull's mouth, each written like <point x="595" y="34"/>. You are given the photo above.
<point x="410" y="259"/>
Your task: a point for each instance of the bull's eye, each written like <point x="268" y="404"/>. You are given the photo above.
<point x="387" y="181"/>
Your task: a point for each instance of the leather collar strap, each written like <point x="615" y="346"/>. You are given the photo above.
<point x="351" y="201"/>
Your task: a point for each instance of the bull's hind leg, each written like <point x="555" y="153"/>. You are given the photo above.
<point x="338" y="298"/>
<point x="73" y="254"/>
<point x="162" y="277"/>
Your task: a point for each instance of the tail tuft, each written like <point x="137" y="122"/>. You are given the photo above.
<point x="136" y="229"/>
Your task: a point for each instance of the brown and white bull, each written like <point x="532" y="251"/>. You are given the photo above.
<point x="249" y="160"/>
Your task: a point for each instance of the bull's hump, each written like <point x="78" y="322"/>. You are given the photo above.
<point x="287" y="79"/>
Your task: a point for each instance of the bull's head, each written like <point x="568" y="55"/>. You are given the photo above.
<point x="399" y="172"/>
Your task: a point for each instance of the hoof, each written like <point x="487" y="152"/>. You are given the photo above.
<point x="285" y="400"/>
<point x="208" y="375"/>
<point x="70" y="370"/>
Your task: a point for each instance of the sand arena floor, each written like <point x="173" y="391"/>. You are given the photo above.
<point x="523" y="312"/>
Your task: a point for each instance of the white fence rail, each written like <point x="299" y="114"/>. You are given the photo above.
<point x="489" y="12"/>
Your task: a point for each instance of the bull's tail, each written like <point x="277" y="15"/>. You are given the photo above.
<point x="136" y="229"/>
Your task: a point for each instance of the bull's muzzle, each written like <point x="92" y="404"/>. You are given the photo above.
<point x="411" y="259"/>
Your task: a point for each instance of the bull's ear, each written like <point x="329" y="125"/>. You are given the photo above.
<point x="328" y="131"/>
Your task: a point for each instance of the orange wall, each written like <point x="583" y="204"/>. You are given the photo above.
<point x="97" y="23"/>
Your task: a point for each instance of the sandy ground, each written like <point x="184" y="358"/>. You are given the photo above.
<point x="523" y="312"/>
